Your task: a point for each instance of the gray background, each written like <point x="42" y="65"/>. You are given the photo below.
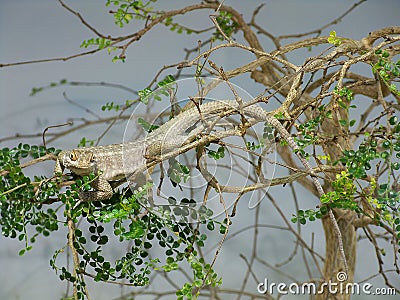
<point x="39" y="29"/>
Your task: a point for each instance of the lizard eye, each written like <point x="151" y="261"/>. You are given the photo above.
<point x="72" y="156"/>
<point x="92" y="158"/>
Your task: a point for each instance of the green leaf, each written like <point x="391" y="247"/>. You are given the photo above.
<point x="146" y="125"/>
<point x="128" y="17"/>
<point x="393" y="120"/>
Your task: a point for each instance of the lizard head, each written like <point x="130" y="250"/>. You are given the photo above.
<point x="79" y="161"/>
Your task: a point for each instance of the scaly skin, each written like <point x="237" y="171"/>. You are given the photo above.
<point x="116" y="161"/>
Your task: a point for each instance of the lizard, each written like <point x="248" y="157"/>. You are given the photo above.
<point x="114" y="162"/>
<point x="117" y="161"/>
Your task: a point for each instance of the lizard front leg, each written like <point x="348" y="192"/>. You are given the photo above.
<point x="102" y="190"/>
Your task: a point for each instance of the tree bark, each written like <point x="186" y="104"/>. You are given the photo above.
<point x="334" y="270"/>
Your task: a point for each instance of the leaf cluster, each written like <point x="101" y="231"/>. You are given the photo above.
<point x="21" y="203"/>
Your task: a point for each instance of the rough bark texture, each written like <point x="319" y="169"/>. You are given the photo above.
<point x="333" y="267"/>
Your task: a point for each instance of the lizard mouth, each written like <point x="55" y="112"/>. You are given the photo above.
<point x="81" y="171"/>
